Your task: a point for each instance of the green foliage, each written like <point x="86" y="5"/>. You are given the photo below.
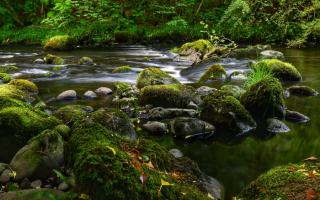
<point x="257" y="75"/>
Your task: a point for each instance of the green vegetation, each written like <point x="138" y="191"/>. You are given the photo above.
<point x="5" y="78"/>
<point x="59" y="42"/>
<point x="154" y="76"/>
<point x="100" y="22"/>
<point x="122" y="69"/>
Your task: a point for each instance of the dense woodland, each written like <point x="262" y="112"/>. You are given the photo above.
<point x="291" y="22"/>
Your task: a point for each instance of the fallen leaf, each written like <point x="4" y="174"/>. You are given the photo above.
<point x="149" y="165"/>
<point x="112" y="149"/>
<point x="137" y="165"/>
<point x="163" y="183"/>
<point x="311" y="195"/>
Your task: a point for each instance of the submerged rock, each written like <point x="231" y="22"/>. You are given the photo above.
<point x="191" y="128"/>
<point x="67" y="95"/>
<point x="215" y="72"/>
<point x="226" y="114"/>
<point x="168" y="113"/>
<point x="264" y="99"/>
<point x="281" y="70"/>
<point x="122" y="69"/>
<point x="250" y="50"/>
<point x="38" y="61"/>
<point x="296" y="117"/>
<point x="86" y="61"/>
<point x="155" y="128"/>
<point x="154" y="76"/>
<point x="271" y="54"/>
<point x="302" y="91"/>
<point x="39" y="156"/>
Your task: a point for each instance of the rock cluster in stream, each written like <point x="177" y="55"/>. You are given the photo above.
<point x="112" y="153"/>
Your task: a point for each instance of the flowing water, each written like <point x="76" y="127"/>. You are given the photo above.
<point x="234" y="165"/>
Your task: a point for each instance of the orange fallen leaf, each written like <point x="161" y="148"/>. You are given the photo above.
<point x="311" y="195"/>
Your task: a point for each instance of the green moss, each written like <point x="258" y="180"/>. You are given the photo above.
<point x="70" y="113"/>
<point x="125" y="90"/>
<point x="7" y="69"/>
<point x="172" y="96"/>
<point x="215" y="72"/>
<point x="52" y="59"/>
<point x="10" y="102"/>
<point x="25" y="85"/>
<point x="122" y="69"/>
<point x="86" y="61"/>
<point x="256" y="75"/>
<point x="264" y="99"/>
<point x="63" y="130"/>
<point x="281" y="70"/>
<point x="201" y="46"/>
<point x="5" y="77"/>
<point x="154" y="76"/>
<point x="10" y="91"/>
<point x="285" y="182"/>
<point x="58" y="42"/>
<point x="109" y="167"/>
<point x="226" y="114"/>
<point x="57" y="68"/>
<point x="233" y="90"/>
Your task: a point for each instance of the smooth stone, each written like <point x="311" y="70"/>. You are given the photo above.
<point x="186" y="128"/>
<point x="67" y="95"/>
<point x="90" y="95"/>
<point x="176" y="153"/>
<point x="63" y="186"/>
<point x="156" y="128"/>
<point x="3" y="166"/>
<point x="25" y="183"/>
<point x="39" y="61"/>
<point x="270" y="54"/>
<point x="205" y="90"/>
<point x="296" y="117"/>
<point x="167" y="113"/>
<point x="213" y="187"/>
<point x="36" y="184"/>
<point x="302" y="91"/>
<point x="103" y="91"/>
<point x="5" y="176"/>
<point x="276" y="126"/>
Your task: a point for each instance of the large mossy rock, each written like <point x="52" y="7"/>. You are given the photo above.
<point x="293" y="181"/>
<point x="71" y="113"/>
<point x="215" y="72"/>
<point x="39" y="156"/>
<point x="116" y="121"/>
<point x="264" y="99"/>
<point x="281" y="70"/>
<point x="154" y="76"/>
<point x="168" y="96"/>
<point x="59" y="42"/>
<point x="109" y="167"/>
<point x="250" y="51"/>
<point x="19" y="89"/>
<point x="19" y="124"/>
<point x="226" y="114"/>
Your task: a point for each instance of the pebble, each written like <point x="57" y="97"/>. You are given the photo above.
<point x="36" y="184"/>
<point x="90" y="94"/>
<point x="67" y="95"/>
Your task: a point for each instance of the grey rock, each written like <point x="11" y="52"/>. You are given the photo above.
<point x="213" y="187"/>
<point x="36" y="184"/>
<point x="167" y="113"/>
<point x="205" y="90"/>
<point x="276" y="126"/>
<point x="192" y="105"/>
<point x="5" y="176"/>
<point x="302" y="91"/>
<point x="186" y="128"/>
<point x="39" y="61"/>
<point x="39" y="156"/>
<point x="63" y="186"/>
<point x="154" y="127"/>
<point x="296" y="117"/>
<point x="270" y="54"/>
<point x="103" y="91"/>
<point x="3" y="166"/>
<point x="67" y="95"/>
<point x="90" y="95"/>
<point x="25" y="184"/>
<point x="176" y="153"/>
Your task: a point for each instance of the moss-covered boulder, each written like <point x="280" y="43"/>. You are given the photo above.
<point x="264" y="99"/>
<point x="293" y="181"/>
<point x="226" y="114"/>
<point x="8" y="68"/>
<point x="122" y="69"/>
<point x="215" y="72"/>
<point x="168" y="96"/>
<point x="54" y="60"/>
<point x="302" y="91"/>
<point x="109" y="167"/>
<point x="5" y="78"/>
<point x="281" y="70"/>
<point x="86" y="61"/>
<point x="233" y="90"/>
<point x="18" y="125"/>
<point x="154" y="76"/>
<point x="116" y="121"/>
<point x="39" y="156"/>
<point x="59" y="42"/>
<point x="25" y="85"/>
<point x="71" y="113"/>
<point x="199" y="50"/>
